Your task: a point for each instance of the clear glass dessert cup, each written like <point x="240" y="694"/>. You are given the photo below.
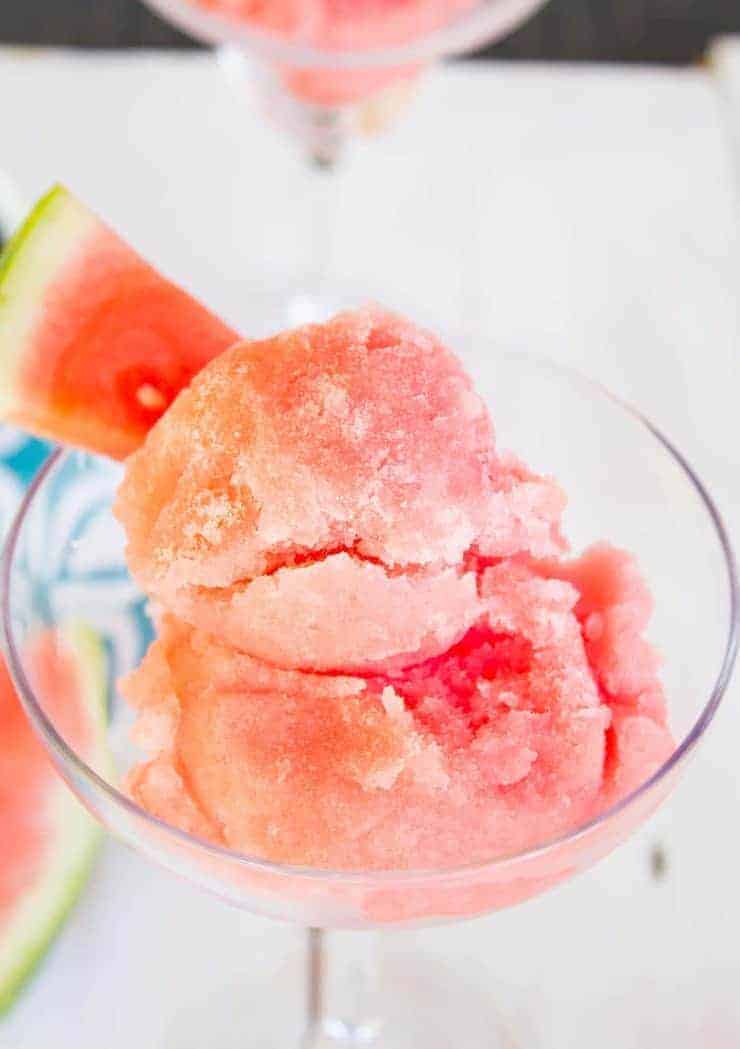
<point x="323" y="86"/>
<point x="322" y="95"/>
<point x="64" y="562"/>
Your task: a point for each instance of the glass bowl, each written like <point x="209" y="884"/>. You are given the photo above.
<point x="64" y="564"/>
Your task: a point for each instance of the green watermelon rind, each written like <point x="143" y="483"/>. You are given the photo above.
<point x="31" y="259"/>
<point x="14" y="245"/>
<point x="26" y="936"/>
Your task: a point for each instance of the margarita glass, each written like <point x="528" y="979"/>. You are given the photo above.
<point x="325" y="69"/>
<point x="323" y="84"/>
<point x="64" y="561"/>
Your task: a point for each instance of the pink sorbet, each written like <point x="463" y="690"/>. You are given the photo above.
<point x="341" y="25"/>
<point x="320" y="500"/>
<point x="373" y="653"/>
<point x="501" y="743"/>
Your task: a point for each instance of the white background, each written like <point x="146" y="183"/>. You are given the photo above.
<point x="589" y="214"/>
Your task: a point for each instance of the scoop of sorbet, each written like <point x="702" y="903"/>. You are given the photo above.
<point x="319" y="499"/>
<point x="372" y="653"/>
<point x="500" y="743"/>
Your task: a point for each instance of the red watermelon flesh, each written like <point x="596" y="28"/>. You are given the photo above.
<point x="94" y="342"/>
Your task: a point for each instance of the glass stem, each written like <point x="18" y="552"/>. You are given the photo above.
<point x="325" y="135"/>
<point x="342" y="990"/>
<point x="322" y="199"/>
<point x="321" y="133"/>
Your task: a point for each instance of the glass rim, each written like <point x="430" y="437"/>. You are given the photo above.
<point x="64" y="756"/>
<point x="468" y="29"/>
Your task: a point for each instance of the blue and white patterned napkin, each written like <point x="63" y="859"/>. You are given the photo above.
<point x="20" y="458"/>
<point x="80" y="546"/>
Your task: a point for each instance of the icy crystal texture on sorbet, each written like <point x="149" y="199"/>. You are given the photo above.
<point x="319" y="500"/>
<point x="372" y="652"/>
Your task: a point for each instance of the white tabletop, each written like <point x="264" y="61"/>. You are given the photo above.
<point x="587" y="213"/>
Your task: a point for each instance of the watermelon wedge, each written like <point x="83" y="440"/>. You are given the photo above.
<point x="47" y="840"/>
<point x="94" y="343"/>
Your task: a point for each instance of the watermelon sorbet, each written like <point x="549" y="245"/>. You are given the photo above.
<point x="341" y="25"/>
<point x="374" y="650"/>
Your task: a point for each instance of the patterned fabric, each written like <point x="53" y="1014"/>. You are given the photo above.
<point x="74" y="537"/>
<point x="20" y="457"/>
